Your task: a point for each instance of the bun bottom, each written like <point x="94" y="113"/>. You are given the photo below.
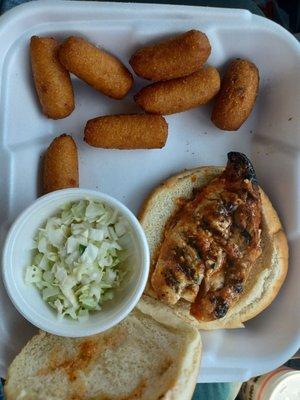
<point x="268" y="273"/>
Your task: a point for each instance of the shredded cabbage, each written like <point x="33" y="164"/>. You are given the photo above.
<point x="79" y="258"/>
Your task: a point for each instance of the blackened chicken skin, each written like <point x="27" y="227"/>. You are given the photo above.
<point x="211" y="243"/>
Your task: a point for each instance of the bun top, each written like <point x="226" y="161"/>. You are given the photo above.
<point x="150" y="354"/>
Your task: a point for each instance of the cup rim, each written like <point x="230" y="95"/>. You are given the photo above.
<point x="30" y="313"/>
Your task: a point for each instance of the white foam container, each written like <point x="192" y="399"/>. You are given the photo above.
<point x="270" y="138"/>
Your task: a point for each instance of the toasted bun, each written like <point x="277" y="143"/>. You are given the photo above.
<point x="150" y="355"/>
<point x="266" y="277"/>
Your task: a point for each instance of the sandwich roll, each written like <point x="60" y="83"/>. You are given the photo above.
<point x="211" y="293"/>
<point x="152" y="354"/>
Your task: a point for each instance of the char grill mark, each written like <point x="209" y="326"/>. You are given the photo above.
<point x="171" y="279"/>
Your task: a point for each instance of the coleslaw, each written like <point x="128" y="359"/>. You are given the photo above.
<point x="79" y="258"/>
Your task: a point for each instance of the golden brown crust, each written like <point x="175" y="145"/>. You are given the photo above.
<point x="176" y="57"/>
<point x="180" y="94"/>
<point x="261" y="290"/>
<point x="99" y="69"/>
<point x="131" y="131"/>
<point x="60" y="166"/>
<point x="237" y="95"/>
<point x="52" y="80"/>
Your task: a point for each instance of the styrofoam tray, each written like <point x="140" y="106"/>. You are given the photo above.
<point x="270" y="138"/>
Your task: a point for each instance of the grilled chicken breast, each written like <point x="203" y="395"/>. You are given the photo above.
<point x="211" y="243"/>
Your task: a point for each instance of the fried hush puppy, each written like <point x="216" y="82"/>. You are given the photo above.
<point x="237" y="95"/>
<point x="97" y="68"/>
<point x="179" y="56"/>
<point x="133" y="131"/>
<point x="60" y="166"/>
<point x="52" y="80"/>
<point x="180" y="94"/>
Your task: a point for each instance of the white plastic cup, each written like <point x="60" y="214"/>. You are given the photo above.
<point x="281" y="384"/>
<point x="27" y="299"/>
